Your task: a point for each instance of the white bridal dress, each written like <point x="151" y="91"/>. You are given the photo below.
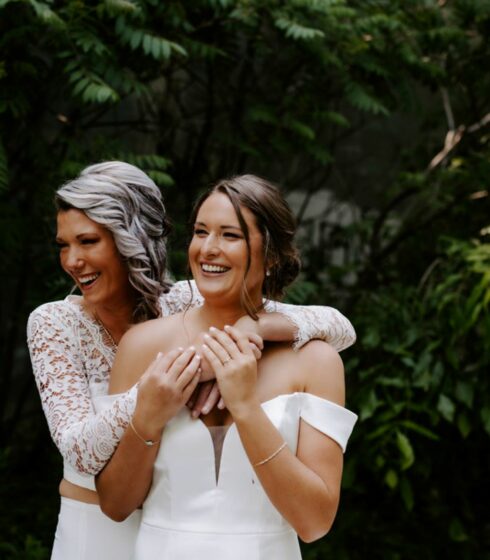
<point x="72" y="356"/>
<point x="214" y="508"/>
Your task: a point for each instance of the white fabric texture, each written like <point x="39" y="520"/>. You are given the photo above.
<point x="85" y="533"/>
<point x="71" y="360"/>
<point x="190" y="512"/>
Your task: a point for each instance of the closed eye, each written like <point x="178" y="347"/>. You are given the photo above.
<point x="200" y="232"/>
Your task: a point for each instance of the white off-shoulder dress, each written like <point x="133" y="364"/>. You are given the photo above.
<point x="71" y="359"/>
<point x="192" y="511"/>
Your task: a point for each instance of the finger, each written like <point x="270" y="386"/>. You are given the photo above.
<point x="226" y="342"/>
<point x="213" y="398"/>
<point x="221" y="404"/>
<point x="256" y="351"/>
<point x="188" y="373"/>
<point x="191" y="387"/>
<point x="193" y="399"/>
<point x="218" y="349"/>
<point x="241" y="340"/>
<point x="214" y="361"/>
<point x="202" y="395"/>
<point x="253" y="338"/>
<point x="163" y="362"/>
<point x="181" y="362"/>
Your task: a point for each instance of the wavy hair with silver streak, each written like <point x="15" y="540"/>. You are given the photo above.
<point x="124" y="200"/>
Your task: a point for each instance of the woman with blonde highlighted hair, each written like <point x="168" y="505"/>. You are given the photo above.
<point x="111" y="232"/>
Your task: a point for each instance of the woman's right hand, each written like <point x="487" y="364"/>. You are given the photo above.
<point x="164" y="389"/>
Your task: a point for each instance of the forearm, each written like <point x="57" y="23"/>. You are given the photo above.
<point x="89" y="443"/>
<point x="297" y="492"/>
<point x="310" y="322"/>
<point x="85" y="439"/>
<point x="276" y="327"/>
<point x="125" y="481"/>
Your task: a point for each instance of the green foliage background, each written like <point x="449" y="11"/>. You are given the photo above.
<point x="374" y="117"/>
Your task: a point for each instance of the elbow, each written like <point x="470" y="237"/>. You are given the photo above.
<point x="113" y="511"/>
<point x="112" y="506"/>
<point x="313" y="532"/>
<point x="312" y="527"/>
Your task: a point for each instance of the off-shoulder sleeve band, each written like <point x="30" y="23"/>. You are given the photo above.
<point x="331" y="419"/>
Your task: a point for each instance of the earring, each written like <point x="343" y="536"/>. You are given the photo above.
<point x="267" y="272"/>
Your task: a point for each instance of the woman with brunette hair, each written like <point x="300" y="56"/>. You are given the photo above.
<point x="111" y="232"/>
<point x="245" y="480"/>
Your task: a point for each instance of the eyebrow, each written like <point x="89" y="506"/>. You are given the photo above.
<point x="59" y="238"/>
<point x="221" y="227"/>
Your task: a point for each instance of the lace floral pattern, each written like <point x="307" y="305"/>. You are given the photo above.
<point x="72" y="358"/>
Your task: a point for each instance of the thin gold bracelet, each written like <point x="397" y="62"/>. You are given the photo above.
<point x="276" y="452"/>
<point x="147" y="442"/>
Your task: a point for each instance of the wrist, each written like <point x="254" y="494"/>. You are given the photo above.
<point x="147" y="442"/>
<point x="146" y="429"/>
<point x="276" y="327"/>
<point x="244" y="411"/>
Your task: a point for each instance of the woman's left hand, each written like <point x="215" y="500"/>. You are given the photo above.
<point x="235" y="366"/>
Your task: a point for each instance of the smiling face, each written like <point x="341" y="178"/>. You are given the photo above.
<point x="218" y="253"/>
<point x="90" y="256"/>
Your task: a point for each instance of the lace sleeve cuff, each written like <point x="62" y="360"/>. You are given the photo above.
<point x="314" y="321"/>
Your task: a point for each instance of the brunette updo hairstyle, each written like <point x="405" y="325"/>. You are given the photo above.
<point x="123" y="199"/>
<point x="276" y="223"/>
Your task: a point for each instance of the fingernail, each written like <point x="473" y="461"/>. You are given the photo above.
<point x="197" y="357"/>
<point x="159" y="355"/>
<point x="206" y="336"/>
<point x="227" y="327"/>
<point x="205" y="410"/>
<point x="192" y="348"/>
<point x="195" y="413"/>
<point x="180" y="349"/>
<point x="199" y="370"/>
<point x="212" y="329"/>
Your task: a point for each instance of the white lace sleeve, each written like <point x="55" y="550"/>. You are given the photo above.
<point x="182" y="295"/>
<point x="85" y="439"/>
<point x="311" y="321"/>
<point x="314" y="321"/>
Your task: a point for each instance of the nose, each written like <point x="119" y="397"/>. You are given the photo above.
<point x="72" y="259"/>
<point x="211" y="245"/>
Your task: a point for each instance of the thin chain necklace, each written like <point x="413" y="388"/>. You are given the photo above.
<point x="105" y="329"/>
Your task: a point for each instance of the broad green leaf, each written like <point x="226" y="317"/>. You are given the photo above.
<point x="369" y="405"/>
<point x="464" y="424"/>
<point x="122" y="6"/>
<point x="465" y="393"/>
<point x="422" y="430"/>
<point x="391" y="479"/>
<point x="406" y="493"/>
<point x="446" y="407"/>
<point x="406" y="450"/>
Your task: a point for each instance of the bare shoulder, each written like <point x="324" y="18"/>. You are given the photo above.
<point x="158" y="334"/>
<point x="138" y="348"/>
<point x="322" y="371"/>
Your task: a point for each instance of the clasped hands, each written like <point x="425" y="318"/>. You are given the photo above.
<point x="225" y="359"/>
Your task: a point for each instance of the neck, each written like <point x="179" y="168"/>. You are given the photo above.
<point x="219" y="316"/>
<point x="115" y="318"/>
